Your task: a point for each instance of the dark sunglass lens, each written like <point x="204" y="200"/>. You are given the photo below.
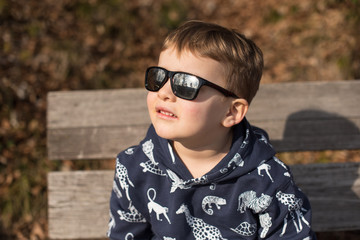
<point x="185" y="85"/>
<point x="155" y="79"/>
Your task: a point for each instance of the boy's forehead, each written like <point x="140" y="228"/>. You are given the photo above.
<point x="185" y="57"/>
<point x="187" y="61"/>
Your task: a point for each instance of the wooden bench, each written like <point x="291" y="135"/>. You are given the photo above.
<point x="298" y="117"/>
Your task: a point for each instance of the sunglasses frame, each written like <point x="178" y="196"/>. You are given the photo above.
<point x="170" y="75"/>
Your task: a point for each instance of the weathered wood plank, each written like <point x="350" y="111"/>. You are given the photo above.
<point x="79" y="201"/>
<point x="334" y="193"/>
<point x="78" y="204"/>
<point x="99" y="108"/>
<point x="309" y="116"/>
<point x="297" y="116"/>
<point x="93" y="143"/>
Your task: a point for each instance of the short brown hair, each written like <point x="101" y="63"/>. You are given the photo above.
<point x="242" y="59"/>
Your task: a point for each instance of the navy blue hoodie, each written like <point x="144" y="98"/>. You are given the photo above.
<point x="250" y="194"/>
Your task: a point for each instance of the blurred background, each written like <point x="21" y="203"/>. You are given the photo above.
<point x="61" y="45"/>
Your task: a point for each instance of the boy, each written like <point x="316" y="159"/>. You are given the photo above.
<point x="202" y="171"/>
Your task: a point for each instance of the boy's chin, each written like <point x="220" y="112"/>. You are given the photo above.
<point x="164" y="134"/>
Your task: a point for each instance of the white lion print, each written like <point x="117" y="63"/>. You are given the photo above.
<point x="248" y="199"/>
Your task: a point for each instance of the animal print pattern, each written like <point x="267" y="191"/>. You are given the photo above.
<point x="295" y="207"/>
<point x="265" y="223"/>
<point x="133" y="216"/>
<point x="201" y="230"/>
<point x="258" y="203"/>
<point x="249" y="200"/>
<point x="245" y="229"/>
<point x="209" y="200"/>
<point x="157" y="208"/>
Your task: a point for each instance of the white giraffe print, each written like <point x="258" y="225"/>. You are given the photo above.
<point x="201" y="230"/>
<point x="157" y="208"/>
<point x="295" y="207"/>
<point x="123" y="177"/>
<point x="248" y="199"/>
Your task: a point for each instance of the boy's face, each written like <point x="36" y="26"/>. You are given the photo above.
<point x="189" y="121"/>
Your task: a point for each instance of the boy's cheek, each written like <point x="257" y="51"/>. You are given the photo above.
<point x="150" y="99"/>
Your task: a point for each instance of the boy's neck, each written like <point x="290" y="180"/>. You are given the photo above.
<point x="200" y="160"/>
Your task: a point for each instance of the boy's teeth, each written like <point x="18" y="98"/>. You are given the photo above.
<point x="167" y="113"/>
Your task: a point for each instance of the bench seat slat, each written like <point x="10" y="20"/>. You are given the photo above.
<point x="80" y="199"/>
<point x="78" y="204"/>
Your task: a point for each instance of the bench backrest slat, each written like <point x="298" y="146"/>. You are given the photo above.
<point x="297" y="116"/>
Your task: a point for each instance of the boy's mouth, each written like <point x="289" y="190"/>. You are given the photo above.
<point x="165" y="112"/>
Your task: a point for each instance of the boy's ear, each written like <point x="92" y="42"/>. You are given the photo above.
<point x="236" y="112"/>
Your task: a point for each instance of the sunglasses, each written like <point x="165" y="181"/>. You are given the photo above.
<point x="184" y="85"/>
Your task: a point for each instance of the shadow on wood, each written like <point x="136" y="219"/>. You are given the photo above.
<point x="318" y="130"/>
<point x="333" y="184"/>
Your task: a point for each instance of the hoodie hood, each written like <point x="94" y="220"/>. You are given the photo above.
<point x="249" y="149"/>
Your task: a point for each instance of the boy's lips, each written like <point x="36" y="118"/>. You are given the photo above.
<point x="163" y="112"/>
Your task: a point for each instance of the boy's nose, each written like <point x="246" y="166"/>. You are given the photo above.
<point x="165" y="93"/>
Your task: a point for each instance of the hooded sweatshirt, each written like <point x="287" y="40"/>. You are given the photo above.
<point x="249" y="194"/>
